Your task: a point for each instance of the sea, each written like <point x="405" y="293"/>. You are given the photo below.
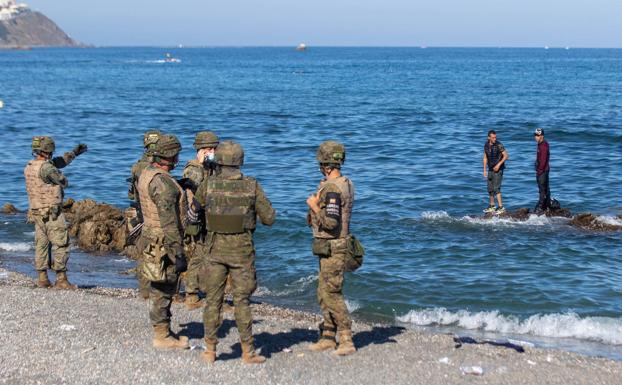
<point x="414" y="123"/>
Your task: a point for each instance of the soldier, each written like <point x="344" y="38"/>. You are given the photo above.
<point x="150" y="138"/>
<point x="45" y="184"/>
<point x="195" y="172"/>
<point x="231" y="202"/>
<point x="329" y="217"/>
<point x="163" y="206"/>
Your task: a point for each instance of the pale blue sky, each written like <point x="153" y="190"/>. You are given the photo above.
<point x="535" y="23"/>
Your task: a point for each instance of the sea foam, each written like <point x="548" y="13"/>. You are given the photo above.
<point x="567" y="325"/>
<point x="15" y="246"/>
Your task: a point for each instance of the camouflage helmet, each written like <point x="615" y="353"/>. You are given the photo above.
<point x="331" y="152"/>
<point x="150" y="138"/>
<point x="43" y="144"/>
<point x="229" y="153"/>
<point x="167" y="146"/>
<point x="205" y="139"/>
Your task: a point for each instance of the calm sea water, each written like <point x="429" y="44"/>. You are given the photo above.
<point x="414" y="122"/>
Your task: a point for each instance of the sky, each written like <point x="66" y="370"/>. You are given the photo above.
<point x="454" y="23"/>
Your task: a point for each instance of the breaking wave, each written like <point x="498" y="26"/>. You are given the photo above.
<point x="15" y="246"/>
<point x="532" y="220"/>
<point x="567" y="325"/>
<point x="298" y="286"/>
<point x="609" y="220"/>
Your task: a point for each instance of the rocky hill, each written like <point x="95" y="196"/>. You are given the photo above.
<point x="22" y="27"/>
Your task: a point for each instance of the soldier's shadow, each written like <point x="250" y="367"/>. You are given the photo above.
<point x="378" y="335"/>
<point x="270" y="343"/>
<point x="195" y="330"/>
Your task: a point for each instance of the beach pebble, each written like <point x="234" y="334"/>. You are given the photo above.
<point x="287" y="350"/>
<point x="474" y="370"/>
<point x="530" y="362"/>
<point x="444" y="360"/>
<point x="67" y="328"/>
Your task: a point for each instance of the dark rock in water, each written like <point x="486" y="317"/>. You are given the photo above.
<point x="589" y="221"/>
<point x="98" y="227"/>
<point x="22" y="27"/>
<point x="9" y="209"/>
<point x="523" y="213"/>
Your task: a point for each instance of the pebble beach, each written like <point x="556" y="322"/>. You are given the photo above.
<point x="102" y="336"/>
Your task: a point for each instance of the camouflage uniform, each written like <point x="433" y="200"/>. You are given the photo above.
<point x="194" y="174"/>
<point x="163" y="206"/>
<point x="149" y="139"/>
<point x="231" y="202"/>
<point x="331" y="228"/>
<point x="45" y="184"/>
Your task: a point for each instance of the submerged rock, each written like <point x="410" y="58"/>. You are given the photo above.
<point x="9" y="209"/>
<point x="590" y="221"/>
<point x="522" y="214"/>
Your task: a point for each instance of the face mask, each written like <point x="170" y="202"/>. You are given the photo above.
<point x="210" y="156"/>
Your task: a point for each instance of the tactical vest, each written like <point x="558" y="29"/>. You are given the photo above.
<point x="494" y="155"/>
<point x="40" y="194"/>
<point x="346" y="188"/>
<point x="149" y="208"/>
<point x="230" y="205"/>
<point x="199" y="165"/>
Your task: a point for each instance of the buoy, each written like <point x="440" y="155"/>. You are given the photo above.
<point x="1" y="103"/>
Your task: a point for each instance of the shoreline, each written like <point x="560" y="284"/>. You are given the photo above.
<point x="93" y="327"/>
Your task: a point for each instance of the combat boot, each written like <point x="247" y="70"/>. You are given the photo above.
<point x="326" y="341"/>
<point x="193" y="301"/>
<point x="209" y="355"/>
<point x="62" y="282"/>
<point x="164" y="339"/>
<point x="249" y="355"/>
<point x="346" y="345"/>
<point x="43" y="279"/>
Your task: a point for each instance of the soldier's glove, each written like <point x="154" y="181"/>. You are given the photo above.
<point x="181" y="264"/>
<point x="80" y="149"/>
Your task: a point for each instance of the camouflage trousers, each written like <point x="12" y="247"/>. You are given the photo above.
<point x="51" y="240"/>
<point x="144" y="286"/>
<point x="161" y="297"/>
<point x="195" y="261"/>
<point x="243" y="283"/>
<point x="330" y="288"/>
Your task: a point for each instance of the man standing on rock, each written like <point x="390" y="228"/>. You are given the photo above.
<point x="45" y="184"/>
<point x="329" y="217"/>
<point x="542" y="172"/>
<point x="150" y="138"/>
<point x="196" y="171"/>
<point x="494" y="159"/>
<point x="232" y="203"/>
<point x="163" y="206"/>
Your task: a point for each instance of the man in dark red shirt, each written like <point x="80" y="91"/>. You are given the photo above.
<point x="542" y="172"/>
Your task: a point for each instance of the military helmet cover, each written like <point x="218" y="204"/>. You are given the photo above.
<point x="205" y="139"/>
<point x="331" y="152"/>
<point x="150" y="138"/>
<point x="43" y="143"/>
<point x="167" y="146"/>
<point x="229" y="153"/>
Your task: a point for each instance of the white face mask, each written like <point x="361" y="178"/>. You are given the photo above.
<point x="210" y="156"/>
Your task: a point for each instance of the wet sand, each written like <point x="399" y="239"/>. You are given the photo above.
<point x="102" y="336"/>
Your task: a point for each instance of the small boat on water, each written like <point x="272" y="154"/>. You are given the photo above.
<point x="170" y="59"/>
<point x="301" y="47"/>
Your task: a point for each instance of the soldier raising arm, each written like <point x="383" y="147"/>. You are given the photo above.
<point x="45" y="184"/>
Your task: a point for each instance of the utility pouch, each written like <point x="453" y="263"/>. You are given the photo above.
<point x="193" y="230"/>
<point x="55" y="212"/>
<point x="321" y="247"/>
<point x="355" y="254"/>
<point x="153" y="266"/>
<point x="225" y="224"/>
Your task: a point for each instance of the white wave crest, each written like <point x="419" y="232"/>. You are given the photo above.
<point x="609" y="220"/>
<point x="568" y="325"/>
<point x="435" y="215"/>
<point x="352" y="305"/>
<point x="15" y="246"/>
<point x="298" y="286"/>
<point x="495" y="221"/>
